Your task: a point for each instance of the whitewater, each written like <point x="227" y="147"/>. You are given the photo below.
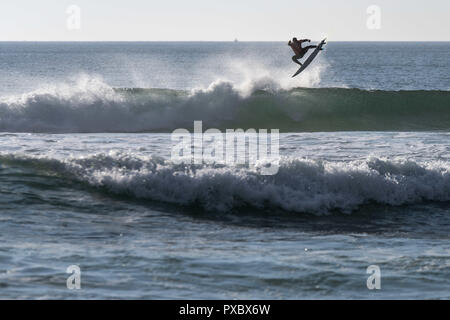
<point x="87" y="177"/>
<point x="90" y="105"/>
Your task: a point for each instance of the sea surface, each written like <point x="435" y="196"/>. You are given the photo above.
<point x="88" y="179"/>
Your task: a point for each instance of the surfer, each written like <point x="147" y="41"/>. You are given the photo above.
<point x="296" y="46"/>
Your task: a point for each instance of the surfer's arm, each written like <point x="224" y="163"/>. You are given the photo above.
<point x="305" y="40"/>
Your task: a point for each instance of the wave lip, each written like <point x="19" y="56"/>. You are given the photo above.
<point x="301" y="186"/>
<point x="92" y="106"/>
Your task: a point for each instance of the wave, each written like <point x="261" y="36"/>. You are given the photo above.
<point x="89" y="105"/>
<point x="318" y="187"/>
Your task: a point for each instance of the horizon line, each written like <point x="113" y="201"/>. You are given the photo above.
<point x="226" y="41"/>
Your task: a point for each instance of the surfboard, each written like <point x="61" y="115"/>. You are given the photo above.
<point x="310" y="58"/>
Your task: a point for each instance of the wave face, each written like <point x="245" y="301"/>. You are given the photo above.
<point x="92" y="106"/>
<point x="317" y="187"/>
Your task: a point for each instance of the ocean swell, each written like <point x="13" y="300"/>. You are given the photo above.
<point x="92" y="106"/>
<point x="318" y="187"/>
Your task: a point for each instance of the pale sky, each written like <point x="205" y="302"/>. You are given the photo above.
<point x="224" y="20"/>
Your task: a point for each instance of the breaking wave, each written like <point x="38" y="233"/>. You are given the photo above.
<point x="301" y="185"/>
<point x="90" y="105"/>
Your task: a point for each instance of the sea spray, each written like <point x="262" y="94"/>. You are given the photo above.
<point x="90" y="105"/>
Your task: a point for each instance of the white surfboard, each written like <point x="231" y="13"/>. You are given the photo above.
<point x="310" y="58"/>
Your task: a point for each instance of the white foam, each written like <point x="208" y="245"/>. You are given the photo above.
<point x="90" y="105"/>
<point x="318" y="187"/>
<point x="87" y="104"/>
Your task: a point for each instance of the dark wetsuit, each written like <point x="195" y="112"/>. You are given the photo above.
<point x="298" y="50"/>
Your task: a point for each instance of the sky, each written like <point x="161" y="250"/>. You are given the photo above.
<point x="220" y="20"/>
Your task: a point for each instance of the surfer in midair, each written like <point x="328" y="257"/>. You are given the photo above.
<point x="296" y="46"/>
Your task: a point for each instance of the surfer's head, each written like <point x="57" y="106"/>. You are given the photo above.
<point x="295" y="39"/>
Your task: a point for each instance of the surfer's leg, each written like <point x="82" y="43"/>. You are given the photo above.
<point x="312" y="47"/>
<point x="295" y="59"/>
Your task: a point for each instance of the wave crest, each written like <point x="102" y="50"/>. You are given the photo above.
<point x="317" y="187"/>
<point x="89" y="105"/>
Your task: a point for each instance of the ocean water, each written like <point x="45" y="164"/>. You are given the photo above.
<point x="87" y="177"/>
